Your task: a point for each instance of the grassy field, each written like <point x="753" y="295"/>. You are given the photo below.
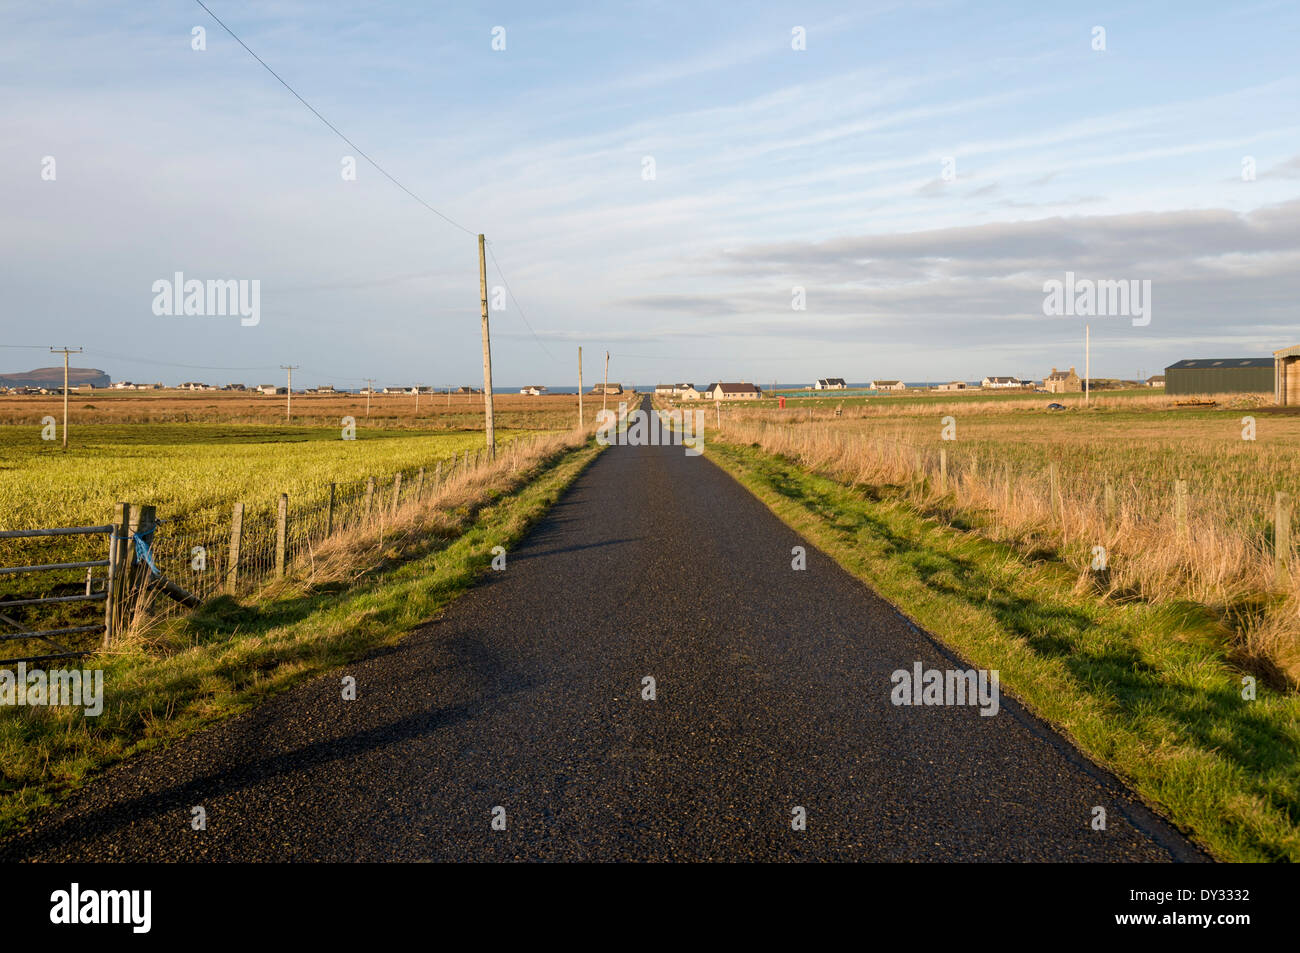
<point x="1149" y="690"/>
<point x="184" y="468"/>
<point x="1117" y="463"/>
<point x="194" y="455"/>
<point x="432" y="412"/>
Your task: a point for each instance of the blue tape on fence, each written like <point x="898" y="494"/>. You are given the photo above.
<point x="142" y="550"/>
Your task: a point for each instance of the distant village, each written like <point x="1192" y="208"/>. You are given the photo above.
<point x="1057" y="382"/>
<point x="1278" y="375"/>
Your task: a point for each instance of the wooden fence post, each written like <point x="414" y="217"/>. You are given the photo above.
<point x="1281" y="539"/>
<point x="370" y="498"/>
<point x="1108" y="502"/>
<point x="419" y="483"/>
<point x="140" y="522"/>
<point x="236" y="539"/>
<point x="1180" y="507"/>
<point x="437" y="474"/>
<point x="397" y="492"/>
<point x="113" y="576"/>
<point x="282" y="534"/>
<point x="329" y="514"/>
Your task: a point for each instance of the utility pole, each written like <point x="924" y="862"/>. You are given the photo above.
<point x="65" y="351"/>
<point x="604" y="391"/>
<point x="487" y="353"/>
<point x="581" y="422"/>
<point x="417" y="399"/>
<point x="370" y="387"/>
<point x="288" y="391"/>
<point x="1087" y="363"/>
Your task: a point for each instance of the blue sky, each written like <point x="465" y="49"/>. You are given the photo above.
<point x="774" y="168"/>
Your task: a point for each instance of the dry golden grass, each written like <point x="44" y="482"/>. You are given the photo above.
<point x="1116" y="467"/>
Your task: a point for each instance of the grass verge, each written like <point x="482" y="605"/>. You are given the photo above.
<point x="365" y="590"/>
<point x="1147" y="691"/>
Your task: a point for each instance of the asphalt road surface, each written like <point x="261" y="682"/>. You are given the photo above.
<point x="772" y="693"/>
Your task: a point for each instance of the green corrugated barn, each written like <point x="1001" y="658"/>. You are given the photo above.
<point x="1225" y="375"/>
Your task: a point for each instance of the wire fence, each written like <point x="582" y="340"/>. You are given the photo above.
<point x="233" y="550"/>
<point x="217" y="550"/>
<point x="1172" y="538"/>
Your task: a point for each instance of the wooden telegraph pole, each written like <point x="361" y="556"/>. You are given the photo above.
<point x="487" y="353"/>
<point x="580" y="420"/>
<point x="65" y="351"/>
<point x="370" y="386"/>
<point x="604" y="391"/>
<point x="288" y="391"/>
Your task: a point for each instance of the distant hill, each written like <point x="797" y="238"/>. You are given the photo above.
<point x="53" y="377"/>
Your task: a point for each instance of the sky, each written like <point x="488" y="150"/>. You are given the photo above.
<point x="655" y="180"/>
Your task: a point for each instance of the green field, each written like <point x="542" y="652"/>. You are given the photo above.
<point x="185" y="468"/>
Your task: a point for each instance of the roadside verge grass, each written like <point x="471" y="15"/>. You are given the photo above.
<point x="365" y="590"/>
<point x="1144" y="690"/>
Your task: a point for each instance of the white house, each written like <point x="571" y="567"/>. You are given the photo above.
<point x="533" y="390"/>
<point x="888" y="385"/>
<point x="830" y="383"/>
<point x="1002" y="383"/>
<point x="688" y="392"/>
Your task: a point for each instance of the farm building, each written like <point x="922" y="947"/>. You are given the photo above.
<point x="830" y="383"/>
<point x="688" y="392"/>
<point x="533" y="390"/>
<point x="1063" y="382"/>
<point x="1156" y="380"/>
<point x="732" y="391"/>
<point x="1286" y="376"/>
<point x="673" y="390"/>
<point x="607" y="389"/>
<point x="952" y="385"/>
<point x="1227" y="375"/>
<point x="888" y="385"/>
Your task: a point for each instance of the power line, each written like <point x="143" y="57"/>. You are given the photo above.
<point x="384" y="172"/>
<point x="94" y="352"/>
<point x="134" y="359"/>
<point x="380" y="168"/>
<point x="502" y="273"/>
